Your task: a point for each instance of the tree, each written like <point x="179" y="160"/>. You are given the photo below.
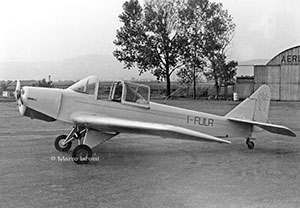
<point x="229" y="72"/>
<point x="166" y="35"/>
<point x="223" y="73"/>
<point x="4" y="85"/>
<point x="148" y="38"/>
<point x="192" y="19"/>
<point x="207" y="30"/>
<point x="44" y="83"/>
<point x="220" y="29"/>
<point x="185" y="78"/>
<point x="131" y="38"/>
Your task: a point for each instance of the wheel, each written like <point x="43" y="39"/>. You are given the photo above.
<point x="250" y="144"/>
<point x="59" y="146"/>
<point x="82" y="154"/>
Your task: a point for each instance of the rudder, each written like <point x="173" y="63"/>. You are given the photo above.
<point x="254" y="108"/>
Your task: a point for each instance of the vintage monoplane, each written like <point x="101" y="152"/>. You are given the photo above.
<point x="128" y="109"/>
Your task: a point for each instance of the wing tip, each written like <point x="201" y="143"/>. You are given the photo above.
<point x="222" y="141"/>
<point x="292" y="134"/>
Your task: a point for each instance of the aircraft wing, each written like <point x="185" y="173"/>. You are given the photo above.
<point x="277" y="129"/>
<point x="108" y="124"/>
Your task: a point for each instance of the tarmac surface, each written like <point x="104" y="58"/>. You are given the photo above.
<point x="144" y="171"/>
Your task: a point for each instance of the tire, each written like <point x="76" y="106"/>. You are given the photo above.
<point x="58" y="144"/>
<point x="250" y="145"/>
<point x="82" y="154"/>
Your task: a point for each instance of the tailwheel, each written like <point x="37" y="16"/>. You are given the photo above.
<point x="250" y="143"/>
<point x="59" y="144"/>
<point x="82" y="154"/>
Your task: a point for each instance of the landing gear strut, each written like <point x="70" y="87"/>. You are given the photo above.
<point x="250" y="143"/>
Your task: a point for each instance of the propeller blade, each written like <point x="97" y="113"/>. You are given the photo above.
<point x="18" y="92"/>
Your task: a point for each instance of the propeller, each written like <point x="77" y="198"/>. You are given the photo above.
<point x="18" y="93"/>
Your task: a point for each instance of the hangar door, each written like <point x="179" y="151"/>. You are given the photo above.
<point x="289" y="86"/>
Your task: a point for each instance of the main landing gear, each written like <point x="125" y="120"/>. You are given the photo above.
<point x="250" y="143"/>
<point x="82" y="153"/>
<point x="87" y="138"/>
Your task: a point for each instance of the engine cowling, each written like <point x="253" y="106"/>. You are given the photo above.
<point x="38" y="102"/>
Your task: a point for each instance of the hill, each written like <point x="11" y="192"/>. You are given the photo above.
<point x="106" y="67"/>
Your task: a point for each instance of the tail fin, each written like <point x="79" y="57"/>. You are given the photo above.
<point x="255" y="108"/>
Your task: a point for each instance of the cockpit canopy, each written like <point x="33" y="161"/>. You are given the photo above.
<point x="130" y="93"/>
<point x="123" y="92"/>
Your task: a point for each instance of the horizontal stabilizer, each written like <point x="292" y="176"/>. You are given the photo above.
<point x="108" y="124"/>
<point x="277" y="129"/>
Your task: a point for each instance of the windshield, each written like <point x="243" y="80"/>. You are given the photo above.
<point x="87" y="85"/>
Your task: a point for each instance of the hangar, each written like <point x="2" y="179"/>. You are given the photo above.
<point x="281" y="73"/>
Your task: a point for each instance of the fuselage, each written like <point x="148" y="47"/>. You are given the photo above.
<point x="57" y="104"/>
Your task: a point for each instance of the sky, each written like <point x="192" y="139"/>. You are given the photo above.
<point x="264" y="28"/>
<point x="43" y="30"/>
<point x="51" y="30"/>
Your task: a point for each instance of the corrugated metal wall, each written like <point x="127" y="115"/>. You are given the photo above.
<point x="289" y="82"/>
<point x="269" y="75"/>
<point x="244" y="87"/>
